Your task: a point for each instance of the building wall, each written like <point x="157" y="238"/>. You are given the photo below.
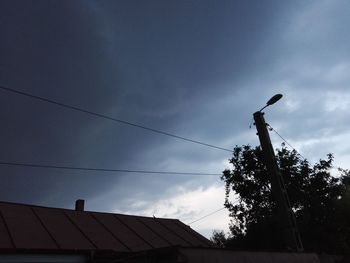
<point x="47" y="258"/>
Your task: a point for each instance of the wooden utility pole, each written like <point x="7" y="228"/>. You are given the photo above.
<point x="291" y="234"/>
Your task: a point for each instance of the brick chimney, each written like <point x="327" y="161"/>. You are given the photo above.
<point x="79" y="205"/>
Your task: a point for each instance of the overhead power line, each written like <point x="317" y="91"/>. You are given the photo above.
<point x="285" y="141"/>
<point x="111" y="118"/>
<point x="100" y="169"/>
<point x="291" y="146"/>
<point x="207" y="215"/>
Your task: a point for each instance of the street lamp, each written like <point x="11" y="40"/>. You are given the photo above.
<point x="291" y="234"/>
<point x="273" y="100"/>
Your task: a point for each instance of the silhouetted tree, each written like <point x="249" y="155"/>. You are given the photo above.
<point x="321" y="201"/>
<point x="219" y="238"/>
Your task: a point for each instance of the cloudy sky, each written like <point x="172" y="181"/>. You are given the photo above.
<point x="197" y="69"/>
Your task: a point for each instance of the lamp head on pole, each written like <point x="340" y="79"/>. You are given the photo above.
<point x="272" y="100"/>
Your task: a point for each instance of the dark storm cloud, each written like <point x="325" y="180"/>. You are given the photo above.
<point x="198" y="69"/>
<point x="147" y="62"/>
<point x="51" y="49"/>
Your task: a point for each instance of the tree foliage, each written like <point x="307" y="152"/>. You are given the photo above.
<point x="219" y="238"/>
<point x="320" y="201"/>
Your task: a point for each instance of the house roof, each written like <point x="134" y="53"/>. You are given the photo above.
<point x="32" y="227"/>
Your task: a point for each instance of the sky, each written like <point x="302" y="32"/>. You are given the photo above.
<point x="196" y="69"/>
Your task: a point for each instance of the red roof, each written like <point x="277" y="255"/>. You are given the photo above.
<point x="43" y="228"/>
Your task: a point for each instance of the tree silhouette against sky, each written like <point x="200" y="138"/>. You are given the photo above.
<point x="319" y="199"/>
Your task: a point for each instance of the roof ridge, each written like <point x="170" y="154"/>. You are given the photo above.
<point x="32" y="205"/>
<point x="86" y="211"/>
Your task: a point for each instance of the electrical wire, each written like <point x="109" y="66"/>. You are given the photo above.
<point x="100" y="169"/>
<point x="112" y="170"/>
<point x="115" y="170"/>
<point x="291" y="146"/>
<point x="283" y="139"/>
<point x="207" y="215"/>
<point x="111" y="118"/>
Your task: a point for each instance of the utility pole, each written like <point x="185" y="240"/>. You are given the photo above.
<point x="290" y="230"/>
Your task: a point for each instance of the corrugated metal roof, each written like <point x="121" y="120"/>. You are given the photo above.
<point x="33" y="227"/>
